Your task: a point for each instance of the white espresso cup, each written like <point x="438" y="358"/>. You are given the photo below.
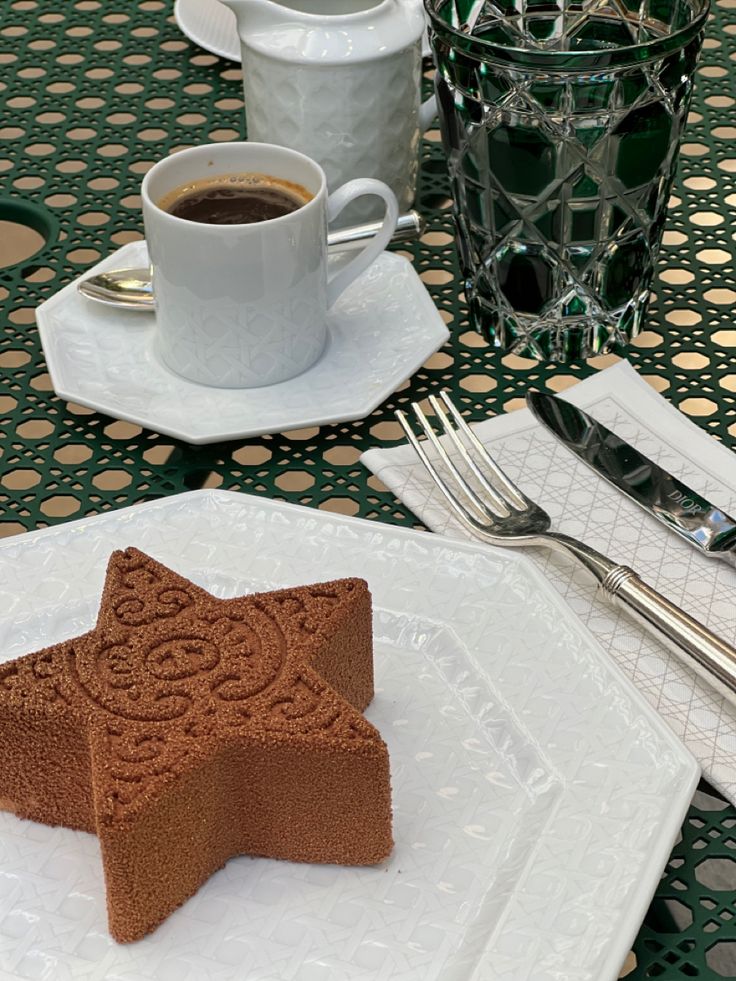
<point x="241" y="306"/>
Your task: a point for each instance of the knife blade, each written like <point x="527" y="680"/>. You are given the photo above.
<point x="668" y="499"/>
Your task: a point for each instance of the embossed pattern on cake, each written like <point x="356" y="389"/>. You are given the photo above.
<point x="184" y="729"/>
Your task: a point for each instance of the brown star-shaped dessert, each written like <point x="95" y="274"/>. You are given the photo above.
<point x="183" y="730"/>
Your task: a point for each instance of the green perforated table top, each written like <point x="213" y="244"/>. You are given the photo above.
<point x="91" y="94"/>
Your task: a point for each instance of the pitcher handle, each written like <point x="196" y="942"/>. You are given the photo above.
<point x="427" y="113"/>
<point x="339" y="200"/>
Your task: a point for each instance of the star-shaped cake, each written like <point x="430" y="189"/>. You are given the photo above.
<point x="183" y="730"/>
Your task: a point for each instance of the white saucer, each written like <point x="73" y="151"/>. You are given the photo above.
<point x="381" y="331"/>
<point x="211" y="25"/>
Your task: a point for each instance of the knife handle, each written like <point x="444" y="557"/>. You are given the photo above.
<point x="727" y="554"/>
<point x="711" y="658"/>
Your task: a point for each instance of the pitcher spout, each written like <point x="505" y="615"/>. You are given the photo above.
<point x="257" y="15"/>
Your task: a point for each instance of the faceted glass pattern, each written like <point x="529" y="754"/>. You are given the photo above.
<point x="562" y="122"/>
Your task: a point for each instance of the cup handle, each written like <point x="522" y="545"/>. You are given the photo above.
<point x="339" y="200"/>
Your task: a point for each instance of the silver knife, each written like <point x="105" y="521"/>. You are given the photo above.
<point x="673" y="503"/>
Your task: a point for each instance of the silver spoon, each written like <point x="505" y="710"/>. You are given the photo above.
<point x="132" y="289"/>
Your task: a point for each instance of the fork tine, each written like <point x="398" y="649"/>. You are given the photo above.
<point x="481" y="506"/>
<point x="502" y="504"/>
<point x="462" y="512"/>
<point x="509" y="488"/>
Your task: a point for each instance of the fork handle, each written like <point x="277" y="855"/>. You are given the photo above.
<point x="711" y="658"/>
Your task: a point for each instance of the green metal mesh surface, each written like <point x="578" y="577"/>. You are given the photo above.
<point x="91" y="94"/>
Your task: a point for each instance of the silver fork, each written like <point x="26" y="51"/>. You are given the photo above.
<point x="491" y="506"/>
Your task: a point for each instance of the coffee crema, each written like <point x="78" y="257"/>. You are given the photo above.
<point x="235" y="199"/>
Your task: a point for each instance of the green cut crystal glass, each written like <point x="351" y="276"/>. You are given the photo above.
<point x="562" y="121"/>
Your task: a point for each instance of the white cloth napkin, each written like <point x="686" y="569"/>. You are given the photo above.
<point x="585" y="506"/>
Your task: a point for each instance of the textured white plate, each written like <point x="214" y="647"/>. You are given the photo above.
<point x="381" y="330"/>
<point x="212" y="26"/>
<point x="536" y="795"/>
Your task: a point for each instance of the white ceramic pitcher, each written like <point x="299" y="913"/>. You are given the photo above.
<point x="338" y="80"/>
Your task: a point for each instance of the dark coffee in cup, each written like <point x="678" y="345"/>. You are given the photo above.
<point x="235" y="199"/>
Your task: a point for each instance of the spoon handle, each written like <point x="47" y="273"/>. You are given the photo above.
<point x="409" y="226"/>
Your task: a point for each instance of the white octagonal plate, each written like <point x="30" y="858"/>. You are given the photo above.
<point x="536" y="795"/>
<point x="380" y="332"/>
